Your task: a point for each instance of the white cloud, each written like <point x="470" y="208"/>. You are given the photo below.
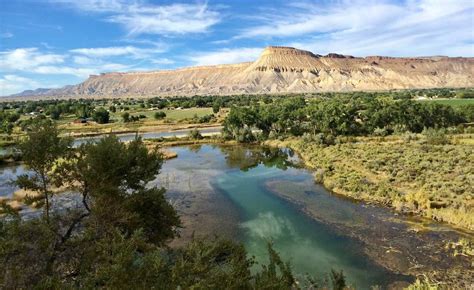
<point x="414" y="27"/>
<point x="167" y="20"/>
<point x="138" y="17"/>
<point x="225" y="56"/>
<point x="10" y="84"/>
<point x="79" y="63"/>
<point x="162" y="61"/>
<point x="95" y="5"/>
<point x="117" y="51"/>
<point x="26" y="59"/>
<point x="82" y="60"/>
<point x="32" y="60"/>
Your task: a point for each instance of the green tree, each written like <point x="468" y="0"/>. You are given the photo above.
<point x="126" y="117"/>
<point x="41" y="151"/>
<point x="101" y="116"/>
<point x="195" y="134"/>
<point x="338" y="280"/>
<point x="160" y="115"/>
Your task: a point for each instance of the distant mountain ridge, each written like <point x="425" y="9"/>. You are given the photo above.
<point x="280" y="70"/>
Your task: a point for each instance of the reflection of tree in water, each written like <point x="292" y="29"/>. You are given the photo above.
<point x="246" y="158"/>
<point x="195" y="148"/>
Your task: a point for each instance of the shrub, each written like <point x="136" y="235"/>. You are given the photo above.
<point x="205" y="119"/>
<point x="324" y="139"/>
<point x="160" y="115"/>
<point x="101" y="116"/>
<point x="436" y="137"/>
<point x="195" y="134"/>
<point x="381" y="132"/>
<point x="126" y="117"/>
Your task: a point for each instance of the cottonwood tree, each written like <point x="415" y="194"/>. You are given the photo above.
<point x="42" y="151"/>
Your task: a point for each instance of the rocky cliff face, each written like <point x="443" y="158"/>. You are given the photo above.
<point x="284" y="70"/>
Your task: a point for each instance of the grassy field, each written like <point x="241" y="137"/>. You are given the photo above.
<point x="434" y="181"/>
<point x="451" y="102"/>
<point x="172" y="114"/>
<point x="174" y="118"/>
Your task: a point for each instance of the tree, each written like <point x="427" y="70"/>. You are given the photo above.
<point x="55" y="114"/>
<point x="101" y="116"/>
<point x="126" y="117"/>
<point x="195" y="134"/>
<point x="83" y="111"/>
<point x="118" y="209"/>
<point x="216" y="106"/>
<point x="160" y="115"/>
<point x="338" y="280"/>
<point x="41" y="151"/>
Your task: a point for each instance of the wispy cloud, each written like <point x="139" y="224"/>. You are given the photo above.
<point x="97" y="5"/>
<point x="415" y="27"/>
<point x="162" y="61"/>
<point x="138" y="17"/>
<point x="225" y="56"/>
<point x="116" y="51"/>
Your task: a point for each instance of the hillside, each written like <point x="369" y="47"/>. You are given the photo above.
<point x="282" y="70"/>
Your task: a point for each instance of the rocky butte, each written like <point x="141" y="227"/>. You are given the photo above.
<point x="281" y="70"/>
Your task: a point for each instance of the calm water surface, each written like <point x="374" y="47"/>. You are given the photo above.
<point x="312" y="247"/>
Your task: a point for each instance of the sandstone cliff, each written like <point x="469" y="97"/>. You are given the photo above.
<point x="284" y="70"/>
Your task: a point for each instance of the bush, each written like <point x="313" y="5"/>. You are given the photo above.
<point x="160" y="115"/>
<point x="324" y="139"/>
<point x="436" y="137"/>
<point x="381" y="132"/>
<point x="205" y="119"/>
<point x="101" y="116"/>
<point x="408" y="137"/>
<point x="126" y="117"/>
<point x="195" y="134"/>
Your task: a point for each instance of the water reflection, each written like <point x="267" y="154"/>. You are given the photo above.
<point x="246" y="158"/>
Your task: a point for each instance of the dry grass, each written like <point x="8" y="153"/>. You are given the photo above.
<point x="434" y="181"/>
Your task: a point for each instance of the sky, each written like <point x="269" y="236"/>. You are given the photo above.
<point x="52" y="43"/>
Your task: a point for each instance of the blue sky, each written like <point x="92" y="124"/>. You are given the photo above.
<point x="52" y="43"/>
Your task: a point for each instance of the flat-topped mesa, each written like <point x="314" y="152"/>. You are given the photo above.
<point x="286" y="50"/>
<point x="285" y="59"/>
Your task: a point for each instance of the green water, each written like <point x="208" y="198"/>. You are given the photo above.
<point x="312" y="247"/>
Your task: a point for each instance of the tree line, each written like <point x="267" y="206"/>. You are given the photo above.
<point x="355" y="116"/>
